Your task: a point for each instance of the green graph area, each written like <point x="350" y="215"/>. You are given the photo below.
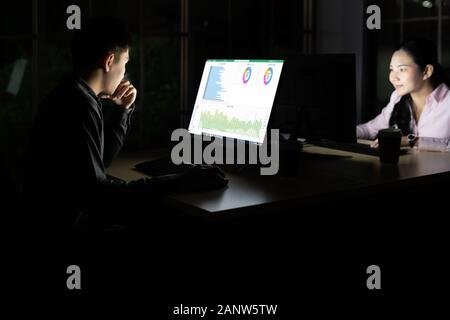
<point x="219" y="121"/>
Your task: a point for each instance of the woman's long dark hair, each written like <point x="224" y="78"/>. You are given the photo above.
<point x="423" y="52"/>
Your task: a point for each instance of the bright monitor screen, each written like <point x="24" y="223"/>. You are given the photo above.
<point x="235" y="98"/>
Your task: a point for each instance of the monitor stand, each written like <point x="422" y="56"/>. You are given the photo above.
<point x="288" y="161"/>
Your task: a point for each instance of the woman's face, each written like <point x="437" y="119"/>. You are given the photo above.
<point x="405" y="75"/>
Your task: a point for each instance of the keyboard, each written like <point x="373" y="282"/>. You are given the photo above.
<point x="161" y="167"/>
<point x="351" y="147"/>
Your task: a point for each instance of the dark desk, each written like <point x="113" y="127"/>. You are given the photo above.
<point x="309" y="235"/>
<point x="317" y="178"/>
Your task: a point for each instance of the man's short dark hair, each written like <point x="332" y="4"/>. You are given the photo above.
<point x="96" y="38"/>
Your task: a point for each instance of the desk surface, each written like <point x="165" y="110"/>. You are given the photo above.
<point x="320" y="175"/>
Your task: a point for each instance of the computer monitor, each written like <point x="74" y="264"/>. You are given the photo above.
<point x="317" y="97"/>
<point x="235" y="98"/>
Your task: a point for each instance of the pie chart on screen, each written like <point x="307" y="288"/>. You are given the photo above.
<point x="268" y="76"/>
<point x="247" y="75"/>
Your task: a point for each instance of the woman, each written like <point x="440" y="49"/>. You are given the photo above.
<point x="420" y="104"/>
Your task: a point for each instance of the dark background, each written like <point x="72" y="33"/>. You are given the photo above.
<point x="172" y="40"/>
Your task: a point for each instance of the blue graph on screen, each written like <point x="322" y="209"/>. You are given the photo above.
<point x="215" y="89"/>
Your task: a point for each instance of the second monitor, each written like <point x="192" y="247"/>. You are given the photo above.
<point x="316" y="98"/>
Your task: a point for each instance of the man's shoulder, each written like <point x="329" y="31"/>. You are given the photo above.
<point x="67" y="96"/>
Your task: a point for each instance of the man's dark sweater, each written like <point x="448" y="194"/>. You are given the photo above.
<point x="72" y="143"/>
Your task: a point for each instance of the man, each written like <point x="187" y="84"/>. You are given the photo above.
<point x="73" y="142"/>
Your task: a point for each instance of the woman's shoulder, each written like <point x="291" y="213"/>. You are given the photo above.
<point x="441" y="93"/>
<point x="395" y="97"/>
